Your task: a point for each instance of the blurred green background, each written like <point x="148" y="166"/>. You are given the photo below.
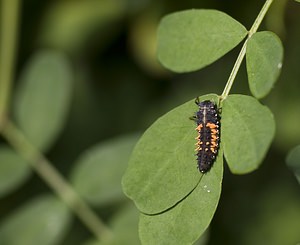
<point x="119" y="89"/>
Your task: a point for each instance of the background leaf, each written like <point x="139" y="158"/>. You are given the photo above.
<point x="13" y="170"/>
<point x="124" y="225"/>
<point x="293" y="161"/>
<point x="43" y="97"/>
<point x="97" y="174"/>
<point x="186" y="222"/>
<point x="43" y="220"/>
<point x="264" y="61"/>
<point x="247" y="131"/>
<point x="63" y="20"/>
<point x="162" y="169"/>
<point x="191" y="39"/>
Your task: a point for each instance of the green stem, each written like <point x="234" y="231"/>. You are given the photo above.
<point x="8" y="27"/>
<point x="57" y="182"/>
<point x="242" y="53"/>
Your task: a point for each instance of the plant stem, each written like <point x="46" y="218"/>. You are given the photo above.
<point x="8" y="28"/>
<point x="54" y="179"/>
<point x="242" y="53"/>
<point x="8" y="25"/>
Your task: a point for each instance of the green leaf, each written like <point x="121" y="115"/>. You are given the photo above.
<point x="13" y="170"/>
<point x="264" y="61"/>
<point x="192" y="39"/>
<point x="97" y="174"/>
<point x="43" y="98"/>
<point x="247" y="130"/>
<point x="162" y="169"/>
<point x="124" y="225"/>
<point x="293" y="161"/>
<point x="187" y="221"/>
<point x="44" y="220"/>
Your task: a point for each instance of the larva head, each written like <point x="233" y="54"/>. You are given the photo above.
<point x="206" y="104"/>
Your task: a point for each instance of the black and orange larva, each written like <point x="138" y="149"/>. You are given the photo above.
<point x="208" y="129"/>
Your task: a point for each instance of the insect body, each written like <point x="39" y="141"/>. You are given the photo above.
<point x="208" y="129"/>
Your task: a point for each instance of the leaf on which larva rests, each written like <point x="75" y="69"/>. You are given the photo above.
<point x="187" y="221"/>
<point x="248" y="129"/>
<point x="162" y="169"/>
<point x="192" y="39"/>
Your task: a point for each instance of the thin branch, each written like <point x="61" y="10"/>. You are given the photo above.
<point x="56" y="181"/>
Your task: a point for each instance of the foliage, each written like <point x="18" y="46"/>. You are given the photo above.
<point x="43" y="220"/>
<point x="264" y="62"/>
<point x="44" y="94"/>
<point x="74" y="100"/>
<point x="248" y="130"/>
<point x="190" y="40"/>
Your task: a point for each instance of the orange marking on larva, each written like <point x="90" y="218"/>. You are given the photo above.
<point x="211" y="125"/>
<point x="198" y="148"/>
<point x="214" y="131"/>
<point x="212" y="149"/>
<point x="214" y="137"/>
<point x="199" y="127"/>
